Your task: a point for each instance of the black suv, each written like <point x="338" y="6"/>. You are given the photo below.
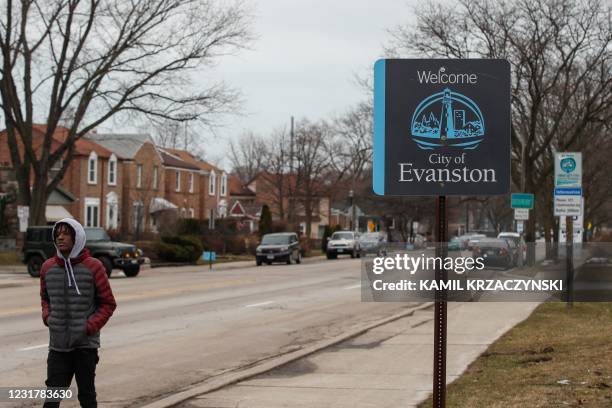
<point x="39" y="246"/>
<point x="279" y="247"/>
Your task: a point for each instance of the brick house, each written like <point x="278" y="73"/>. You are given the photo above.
<point x="212" y="186"/>
<point x="274" y="190"/>
<point x="92" y="184"/>
<point x="243" y="205"/>
<point x="181" y="184"/>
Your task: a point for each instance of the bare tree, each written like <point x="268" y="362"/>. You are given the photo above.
<point x="176" y="134"/>
<point x="312" y="163"/>
<point x="249" y="156"/>
<point x="276" y="170"/>
<point x="561" y="59"/>
<point x="87" y="61"/>
<point x="350" y="145"/>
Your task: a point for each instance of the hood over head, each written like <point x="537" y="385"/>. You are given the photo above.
<point x="79" y="237"/>
<point x="79" y="243"/>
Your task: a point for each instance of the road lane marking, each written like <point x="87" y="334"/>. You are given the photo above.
<point x="146" y="294"/>
<point x="353" y="286"/>
<point x="34" y="347"/>
<point x="260" y="304"/>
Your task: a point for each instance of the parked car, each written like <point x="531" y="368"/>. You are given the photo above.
<point x="39" y="247"/>
<point x="474" y="239"/>
<point x="343" y="242"/>
<point x="455" y="244"/>
<point x="465" y="238"/>
<point x="495" y="252"/>
<point x="279" y="247"/>
<point x="521" y="247"/>
<point x="372" y="243"/>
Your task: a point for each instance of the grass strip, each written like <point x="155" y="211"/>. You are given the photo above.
<point x="558" y="357"/>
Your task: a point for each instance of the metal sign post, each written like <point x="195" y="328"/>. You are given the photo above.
<point x="568" y="202"/>
<point x="441" y="127"/>
<point x="440" y="311"/>
<point x="569" y="254"/>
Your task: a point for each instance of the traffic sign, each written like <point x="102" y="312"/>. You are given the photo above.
<point x="568" y="169"/>
<point x="521" y="200"/>
<point x="574" y="191"/>
<point x="567" y="205"/>
<point x="23" y="214"/>
<point x="521" y="214"/>
<point x="441" y="127"/>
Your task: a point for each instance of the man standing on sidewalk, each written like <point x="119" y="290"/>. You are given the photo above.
<point x="77" y="301"/>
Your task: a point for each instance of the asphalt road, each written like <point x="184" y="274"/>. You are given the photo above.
<point x="175" y="327"/>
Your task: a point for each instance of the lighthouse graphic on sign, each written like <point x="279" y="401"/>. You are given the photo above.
<point x="447" y="118"/>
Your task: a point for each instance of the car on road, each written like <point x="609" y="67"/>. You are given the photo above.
<point x="474" y="239"/>
<point x="519" y="243"/>
<point x="494" y="252"/>
<point x="279" y="247"/>
<point x="372" y="243"/>
<point x="455" y="244"/>
<point x="38" y="247"/>
<point x="343" y="243"/>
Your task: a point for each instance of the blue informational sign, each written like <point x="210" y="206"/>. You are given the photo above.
<point x="209" y="256"/>
<point x="441" y="127"/>
<point x="576" y="191"/>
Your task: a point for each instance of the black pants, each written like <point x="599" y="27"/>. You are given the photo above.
<point x="80" y="363"/>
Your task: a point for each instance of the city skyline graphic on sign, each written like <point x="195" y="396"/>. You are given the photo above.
<point x="447" y="118"/>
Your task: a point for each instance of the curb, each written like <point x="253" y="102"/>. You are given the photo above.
<point x="230" y="378"/>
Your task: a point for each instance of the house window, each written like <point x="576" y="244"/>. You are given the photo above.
<point x="155" y="182"/>
<point x="178" y="180"/>
<point x="212" y="180"/>
<point x="92" y="168"/>
<point x="112" y="171"/>
<point x="139" y="176"/>
<point x="92" y="212"/>
<point x="112" y="210"/>
<point x="191" y="213"/>
<point x="191" y="178"/>
<point x="223" y="185"/>
<point x="211" y="218"/>
<point x="138" y="216"/>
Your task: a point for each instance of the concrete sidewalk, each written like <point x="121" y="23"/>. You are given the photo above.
<point x="389" y="366"/>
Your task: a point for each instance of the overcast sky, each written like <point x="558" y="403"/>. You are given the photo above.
<point x="304" y="61"/>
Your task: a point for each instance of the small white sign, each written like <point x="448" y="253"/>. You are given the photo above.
<point x="568" y="205"/>
<point x="521" y="214"/>
<point x="520" y="227"/>
<point x="23" y="213"/>
<point x="568" y="169"/>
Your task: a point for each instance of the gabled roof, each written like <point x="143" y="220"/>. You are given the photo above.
<point x="237" y="188"/>
<point x="82" y="146"/>
<point x="124" y="145"/>
<point x="189" y="158"/>
<point x="174" y="161"/>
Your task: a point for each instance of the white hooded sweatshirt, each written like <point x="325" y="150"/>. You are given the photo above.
<point x="79" y="243"/>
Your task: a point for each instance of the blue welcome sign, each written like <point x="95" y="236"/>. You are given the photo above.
<point x="441" y="127"/>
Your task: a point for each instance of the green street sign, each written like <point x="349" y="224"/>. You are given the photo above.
<point x="521" y="200"/>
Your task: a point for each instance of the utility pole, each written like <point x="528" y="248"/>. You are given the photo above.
<point x="291" y="177"/>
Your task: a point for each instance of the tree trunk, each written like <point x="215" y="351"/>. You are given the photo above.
<point x="531" y="224"/>
<point x="38" y="202"/>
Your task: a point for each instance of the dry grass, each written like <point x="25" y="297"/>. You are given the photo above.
<point x="522" y="368"/>
<point x="10" y="258"/>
